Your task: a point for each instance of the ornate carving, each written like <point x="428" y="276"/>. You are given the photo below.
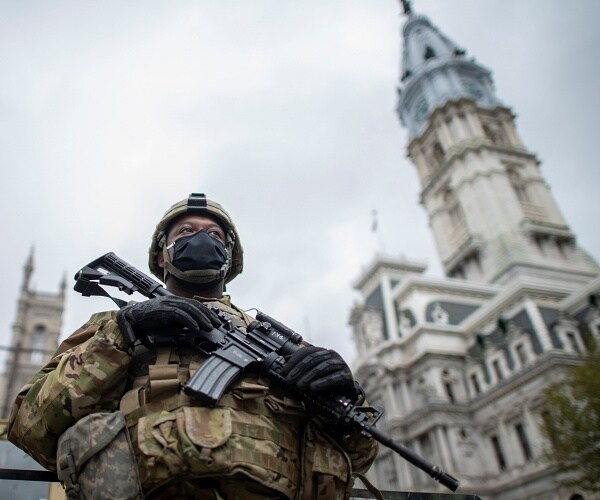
<point x="372" y="327"/>
<point x="404" y="323"/>
<point x="439" y="315"/>
<point x="425" y="390"/>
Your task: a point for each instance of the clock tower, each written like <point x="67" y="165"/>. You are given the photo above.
<point x="35" y="334"/>
<point x="491" y="211"/>
<point x="462" y="365"/>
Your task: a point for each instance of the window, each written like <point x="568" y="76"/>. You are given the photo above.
<point x="497" y="369"/>
<point x="425" y="445"/>
<point x="429" y="53"/>
<point x="399" y="394"/>
<point x="521" y="354"/>
<point x="458" y="272"/>
<point x="563" y="247"/>
<point x="449" y="391"/>
<point x="454" y="209"/>
<point x="518" y="184"/>
<point x="523" y="441"/>
<point x="37" y="344"/>
<point x="572" y="340"/>
<point x="455" y="213"/>
<point x="498" y="452"/>
<point x="475" y="383"/>
<point x="438" y="153"/>
<point x="494" y="133"/>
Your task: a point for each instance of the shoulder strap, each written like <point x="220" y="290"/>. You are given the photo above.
<point x="369" y="485"/>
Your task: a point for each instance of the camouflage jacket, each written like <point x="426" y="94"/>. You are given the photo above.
<point x="252" y="434"/>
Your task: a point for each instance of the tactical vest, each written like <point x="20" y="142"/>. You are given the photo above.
<point x="253" y="444"/>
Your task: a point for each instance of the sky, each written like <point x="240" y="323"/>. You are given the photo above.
<point x="284" y="112"/>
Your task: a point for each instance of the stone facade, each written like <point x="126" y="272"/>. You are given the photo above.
<point x="461" y="363"/>
<point x="35" y="334"/>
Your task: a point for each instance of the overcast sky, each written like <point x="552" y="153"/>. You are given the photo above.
<point x="283" y="112"/>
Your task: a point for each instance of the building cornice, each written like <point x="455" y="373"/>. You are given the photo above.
<point x="546" y="362"/>
<point x="579" y="299"/>
<point x="469" y="289"/>
<point x="511" y="294"/>
<point x="435" y="413"/>
<point x="383" y="262"/>
<point x="460" y="151"/>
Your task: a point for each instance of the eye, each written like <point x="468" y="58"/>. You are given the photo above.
<point x="216" y="233"/>
<point x="185" y="230"/>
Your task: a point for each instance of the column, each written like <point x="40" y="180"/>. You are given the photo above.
<point x="511" y="454"/>
<point x="391" y="322"/>
<point x="391" y="397"/>
<point x="474" y="125"/>
<point x="406" y="399"/>
<point x="445" y="134"/>
<point x="402" y="466"/>
<point x="446" y="456"/>
<point x="538" y="324"/>
<point x="509" y="129"/>
<point x="416" y="474"/>
<point x="535" y="436"/>
<point x="461" y="120"/>
<point x="440" y="390"/>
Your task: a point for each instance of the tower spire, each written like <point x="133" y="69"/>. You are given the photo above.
<point x="435" y="71"/>
<point x="406" y="6"/>
<point x="63" y="285"/>
<point x="28" y="271"/>
<point x="490" y="209"/>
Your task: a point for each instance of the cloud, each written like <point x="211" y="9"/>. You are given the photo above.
<point x="283" y="112"/>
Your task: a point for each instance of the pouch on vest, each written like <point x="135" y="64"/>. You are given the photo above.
<point x="95" y="459"/>
<point x="325" y="468"/>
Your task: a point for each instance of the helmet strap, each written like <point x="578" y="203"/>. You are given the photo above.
<point x="196" y="203"/>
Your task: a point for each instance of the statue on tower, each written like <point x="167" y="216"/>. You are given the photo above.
<point x="406" y="6"/>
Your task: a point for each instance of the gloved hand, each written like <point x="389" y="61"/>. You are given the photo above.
<point x="320" y="371"/>
<point x="136" y="320"/>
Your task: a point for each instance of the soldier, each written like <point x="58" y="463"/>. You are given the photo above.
<point x="111" y="417"/>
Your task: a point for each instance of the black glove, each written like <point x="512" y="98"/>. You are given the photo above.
<point x="316" y="370"/>
<point x="163" y="313"/>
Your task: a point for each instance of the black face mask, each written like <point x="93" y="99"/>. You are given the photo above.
<point x="198" y="251"/>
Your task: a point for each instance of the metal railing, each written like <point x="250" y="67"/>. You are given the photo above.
<point x="50" y="477"/>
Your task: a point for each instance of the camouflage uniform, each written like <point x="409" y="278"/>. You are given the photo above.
<point x="253" y="444"/>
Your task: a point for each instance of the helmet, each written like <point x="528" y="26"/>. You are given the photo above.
<point x="197" y="203"/>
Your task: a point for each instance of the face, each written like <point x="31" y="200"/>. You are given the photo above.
<point x="190" y="224"/>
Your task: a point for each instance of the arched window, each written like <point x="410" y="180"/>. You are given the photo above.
<point x="498" y="451"/>
<point x="455" y="212"/>
<point x="489" y="133"/>
<point x="497" y="370"/>
<point x="438" y="153"/>
<point x="448" y="383"/>
<point x="494" y="133"/>
<point x="518" y="184"/>
<point x="37" y="344"/>
<point x="569" y="336"/>
<point x="523" y="439"/>
<point x="429" y="53"/>
<point x="475" y="383"/>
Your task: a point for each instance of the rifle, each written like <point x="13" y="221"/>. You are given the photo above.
<point x="230" y="351"/>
